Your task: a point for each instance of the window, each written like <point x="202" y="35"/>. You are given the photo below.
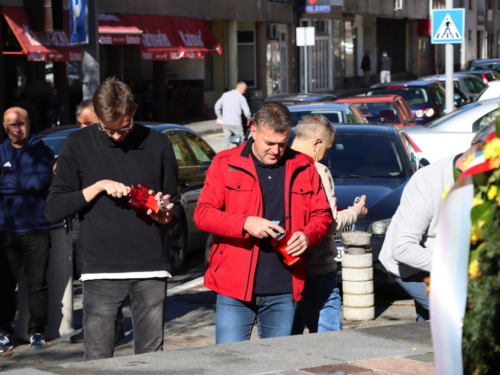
<point x="181" y="152"/>
<point x="470" y="4"/>
<point x="200" y="149"/>
<point x="246" y="57"/>
<point x="485" y="120"/>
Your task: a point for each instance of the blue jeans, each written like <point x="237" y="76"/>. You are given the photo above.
<point x="416" y="288"/>
<point x="103" y="299"/>
<point x="235" y="319"/>
<point x="320" y="308"/>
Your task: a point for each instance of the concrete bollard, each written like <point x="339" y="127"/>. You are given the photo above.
<point x="357" y="277"/>
<point x="60" y="284"/>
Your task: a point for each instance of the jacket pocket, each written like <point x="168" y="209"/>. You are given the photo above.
<point x="240" y="185"/>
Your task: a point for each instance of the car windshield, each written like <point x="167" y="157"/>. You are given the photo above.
<point x="54" y="142"/>
<point x="413" y="95"/>
<point x="445" y="118"/>
<point x="334" y="116"/>
<point x="384" y="112"/>
<point x="365" y="156"/>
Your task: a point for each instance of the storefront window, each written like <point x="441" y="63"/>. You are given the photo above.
<point x="246" y="57"/>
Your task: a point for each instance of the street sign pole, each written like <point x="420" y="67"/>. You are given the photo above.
<point x="305" y="38"/>
<point x="448" y="28"/>
<point x="450" y="91"/>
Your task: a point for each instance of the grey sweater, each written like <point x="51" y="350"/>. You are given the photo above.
<point x="229" y="107"/>
<point x="409" y="241"/>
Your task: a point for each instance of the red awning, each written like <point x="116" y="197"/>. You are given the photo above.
<point x="40" y="45"/>
<point x="114" y="29"/>
<point x="172" y="38"/>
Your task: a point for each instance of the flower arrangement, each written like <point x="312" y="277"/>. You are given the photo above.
<point x="481" y="324"/>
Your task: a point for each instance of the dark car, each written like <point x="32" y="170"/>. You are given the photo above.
<point x="470" y="84"/>
<point x="427" y="99"/>
<point x="194" y="156"/>
<point x="483" y="64"/>
<point x="374" y="160"/>
<point x="291" y="99"/>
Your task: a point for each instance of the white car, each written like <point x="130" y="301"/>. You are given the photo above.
<point x="491" y="91"/>
<point x="451" y="134"/>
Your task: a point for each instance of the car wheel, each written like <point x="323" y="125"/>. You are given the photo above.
<point x="208" y="246"/>
<point x="176" y="245"/>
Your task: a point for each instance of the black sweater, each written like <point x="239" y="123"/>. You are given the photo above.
<point x="114" y="239"/>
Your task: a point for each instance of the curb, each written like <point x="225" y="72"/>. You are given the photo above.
<point x="209" y="131"/>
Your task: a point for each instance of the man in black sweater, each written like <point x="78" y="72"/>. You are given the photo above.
<point x="123" y="253"/>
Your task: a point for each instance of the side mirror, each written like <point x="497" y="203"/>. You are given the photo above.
<point x="410" y="120"/>
<point x="235" y="139"/>
<point x="423" y="163"/>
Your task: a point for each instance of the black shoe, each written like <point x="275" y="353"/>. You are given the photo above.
<point x="77" y="338"/>
<point x="120" y="338"/>
<point x="5" y="343"/>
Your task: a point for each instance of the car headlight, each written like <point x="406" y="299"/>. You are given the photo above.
<point x="379" y="228"/>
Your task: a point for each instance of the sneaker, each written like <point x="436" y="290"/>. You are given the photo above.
<point x="37" y="341"/>
<point x="5" y="343"/>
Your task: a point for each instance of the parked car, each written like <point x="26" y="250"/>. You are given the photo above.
<point x="471" y="85"/>
<point x="427" y="99"/>
<point x="491" y="91"/>
<point x="194" y="156"/>
<point x="291" y="99"/>
<point x="483" y="64"/>
<point x="481" y="135"/>
<point x="386" y="109"/>
<point x="486" y="76"/>
<point x="337" y="113"/>
<point x="453" y="133"/>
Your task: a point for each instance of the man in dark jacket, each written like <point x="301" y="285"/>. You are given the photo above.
<point x="246" y="189"/>
<point x="24" y="231"/>
<point x="123" y="252"/>
<point x="366" y="67"/>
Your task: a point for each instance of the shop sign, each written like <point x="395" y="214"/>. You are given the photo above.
<point x="315" y="6"/>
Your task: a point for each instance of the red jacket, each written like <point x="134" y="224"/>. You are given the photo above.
<point x="231" y="194"/>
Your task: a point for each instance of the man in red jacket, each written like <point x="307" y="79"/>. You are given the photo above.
<point x="245" y="190"/>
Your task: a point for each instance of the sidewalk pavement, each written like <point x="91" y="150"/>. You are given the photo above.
<point x="390" y="344"/>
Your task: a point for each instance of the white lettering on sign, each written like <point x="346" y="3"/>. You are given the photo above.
<point x="191" y="40"/>
<point x="75" y="56"/>
<point x="155" y="40"/>
<point x="133" y="39"/>
<point x="105" y="39"/>
<point x="35" y="56"/>
<point x="147" y="55"/>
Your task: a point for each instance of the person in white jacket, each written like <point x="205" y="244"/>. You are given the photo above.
<point x="409" y="243"/>
<point x="320" y="308"/>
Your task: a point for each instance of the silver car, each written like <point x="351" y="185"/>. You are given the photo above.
<point x="469" y="84"/>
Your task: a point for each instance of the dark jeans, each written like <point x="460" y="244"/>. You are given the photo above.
<point x="32" y="250"/>
<point x="415" y="286"/>
<point x="102" y="299"/>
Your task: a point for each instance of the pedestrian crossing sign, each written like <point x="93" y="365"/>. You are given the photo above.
<point x="447" y="26"/>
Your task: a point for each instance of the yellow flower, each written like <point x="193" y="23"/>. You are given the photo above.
<point x="474" y="269"/>
<point x="477" y="201"/>
<point x="445" y="194"/>
<point x="491" y="150"/>
<point x="474" y="235"/>
<point x="492" y="192"/>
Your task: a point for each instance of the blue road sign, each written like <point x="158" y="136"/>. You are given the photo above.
<point x="447" y="26"/>
<point x="78" y="22"/>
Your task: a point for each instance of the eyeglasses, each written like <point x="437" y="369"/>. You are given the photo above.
<point x="119" y="131"/>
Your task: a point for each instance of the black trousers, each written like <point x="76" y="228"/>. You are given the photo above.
<point x="32" y="250"/>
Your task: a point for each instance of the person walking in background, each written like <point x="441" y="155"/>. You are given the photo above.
<point x="26" y="173"/>
<point x="408" y="247"/>
<point x="124" y="255"/>
<point x="385" y="68"/>
<point x="228" y="110"/>
<point x="245" y="190"/>
<point x="320" y="309"/>
<point x="366" y="67"/>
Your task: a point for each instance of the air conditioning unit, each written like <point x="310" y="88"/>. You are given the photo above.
<point x="272" y="32"/>
<point x="398" y="4"/>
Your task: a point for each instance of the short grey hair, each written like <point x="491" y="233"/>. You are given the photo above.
<point x="241" y="84"/>
<point x="87" y="103"/>
<point x="315" y="126"/>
